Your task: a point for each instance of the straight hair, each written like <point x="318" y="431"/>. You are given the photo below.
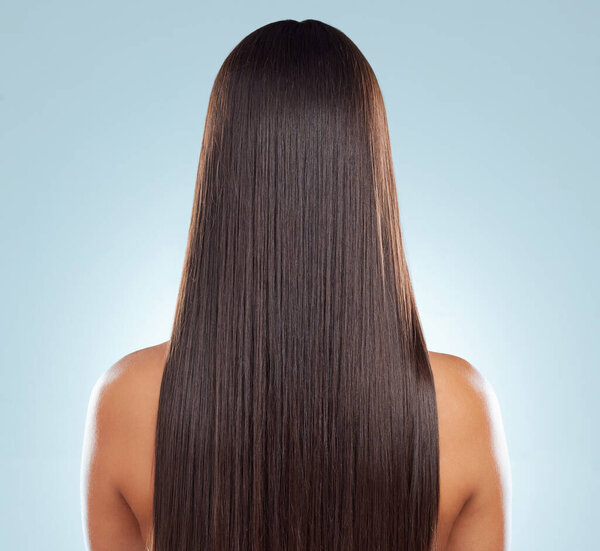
<point x="297" y="409"/>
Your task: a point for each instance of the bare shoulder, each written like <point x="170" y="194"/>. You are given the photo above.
<point x="456" y="373"/>
<point x="473" y="453"/>
<point x="464" y="395"/>
<point x="118" y="440"/>
<point x="123" y="401"/>
<point x="123" y="393"/>
<point x="134" y="368"/>
<point x="123" y="386"/>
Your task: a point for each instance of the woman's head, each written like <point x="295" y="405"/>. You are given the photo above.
<point x="296" y="108"/>
<point x="294" y="79"/>
<point x="297" y="408"/>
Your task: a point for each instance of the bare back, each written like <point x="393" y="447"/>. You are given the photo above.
<point x="474" y="469"/>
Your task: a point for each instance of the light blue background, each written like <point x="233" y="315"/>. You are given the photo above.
<point x="494" y="122"/>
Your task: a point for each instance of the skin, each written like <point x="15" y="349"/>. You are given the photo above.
<point x="116" y="470"/>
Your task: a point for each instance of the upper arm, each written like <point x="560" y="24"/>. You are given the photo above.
<point x="483" y="523"/>
<point x="108" y="521"/>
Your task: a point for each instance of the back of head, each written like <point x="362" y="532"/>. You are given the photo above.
<point x="297" y="409"/>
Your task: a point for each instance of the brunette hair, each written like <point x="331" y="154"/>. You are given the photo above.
<point x="297" y="408"/>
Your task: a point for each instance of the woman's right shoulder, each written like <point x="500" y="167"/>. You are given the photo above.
<point x="473" y="451"/>
<point x="463" y="393"/>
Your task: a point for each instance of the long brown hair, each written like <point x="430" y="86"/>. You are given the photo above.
<point x="297" y="409"/>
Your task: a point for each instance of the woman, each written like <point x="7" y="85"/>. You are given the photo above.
<point x="295" y="406"/>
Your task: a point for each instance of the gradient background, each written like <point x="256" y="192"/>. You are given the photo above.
<point x="494" y="121"/>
